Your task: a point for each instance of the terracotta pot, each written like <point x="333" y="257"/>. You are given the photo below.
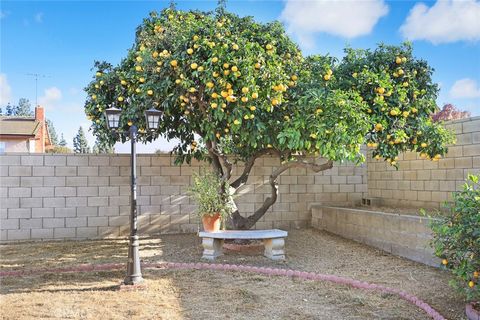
<point x="472" y="313"/>
<point x="211" y="223"/>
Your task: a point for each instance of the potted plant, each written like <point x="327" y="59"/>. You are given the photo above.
<point x="212" y="196"/>
<point x="456" y="240"/>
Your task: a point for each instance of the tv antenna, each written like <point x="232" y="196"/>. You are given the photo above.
<point x="36" y="76"/>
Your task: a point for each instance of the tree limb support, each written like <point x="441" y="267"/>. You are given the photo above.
<point x="240" y="222"/>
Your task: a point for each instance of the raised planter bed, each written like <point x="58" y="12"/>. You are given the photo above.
<point x="403" y="235"/>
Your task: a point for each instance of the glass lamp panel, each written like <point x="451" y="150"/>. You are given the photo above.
<point x="114" y="123"/>
<point x="113" y="117"/>
<point x="153" y="118"/>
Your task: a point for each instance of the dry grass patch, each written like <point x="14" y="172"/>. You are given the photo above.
<point x="193" y="294"/>
<point x="307" y="250"/>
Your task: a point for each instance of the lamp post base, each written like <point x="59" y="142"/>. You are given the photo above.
<point x="132" y="287"/>
<point x="134" y="271"/>
<point x="133" y="280"/>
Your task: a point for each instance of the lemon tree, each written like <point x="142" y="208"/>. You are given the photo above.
<point x="400" y="95"/>
<point x="456" y="238"/>
<point x="232" y="89"/>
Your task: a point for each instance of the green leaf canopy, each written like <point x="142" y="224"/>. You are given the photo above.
<point x="243" y="87"/>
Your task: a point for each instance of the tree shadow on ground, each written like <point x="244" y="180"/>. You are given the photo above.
<point x="204" y="294"/>
<point x="70" y="281"/>
<point x="307" y="250"/>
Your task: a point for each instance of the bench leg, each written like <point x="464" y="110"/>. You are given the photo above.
<point x="274" y="248"/>
<point x="212" y="248"/>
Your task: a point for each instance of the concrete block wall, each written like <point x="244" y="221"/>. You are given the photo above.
<point x="403" y="235"/>
<point x="423" y="183"/>
<point x="74" y="196"/>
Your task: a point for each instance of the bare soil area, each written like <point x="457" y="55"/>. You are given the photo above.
<point x="198" y="294"/>
<point x="402" y="211"/>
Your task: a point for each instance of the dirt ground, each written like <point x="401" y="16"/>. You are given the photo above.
<point x="196" y="294"/>
<point x="401" y="211"/>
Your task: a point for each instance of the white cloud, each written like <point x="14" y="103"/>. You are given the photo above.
<point x="39" y="17"/>
<point x="446" y="21"/>
<point x="465" y="88"/>
<point x="50" y="98"/>
<point x="5" y="90"/>
<point x="347" y="19"/>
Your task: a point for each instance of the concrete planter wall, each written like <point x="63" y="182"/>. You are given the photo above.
<point x="426" y="184"/>
<point x="403" y="235"/>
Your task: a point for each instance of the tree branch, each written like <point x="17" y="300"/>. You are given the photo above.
<point x="215" y="160"/>
<point x="240" y="181"/>
<point x="223" y="160"/>
<point x="305" y="164"/>
<point x="247" y="223"/>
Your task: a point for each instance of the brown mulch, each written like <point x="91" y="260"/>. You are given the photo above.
<point x="195" y="294"/>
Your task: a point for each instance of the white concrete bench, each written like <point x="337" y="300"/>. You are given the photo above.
<point x="273" y="240"/>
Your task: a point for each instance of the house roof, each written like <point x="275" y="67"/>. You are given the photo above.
<point x="19" y="126"/>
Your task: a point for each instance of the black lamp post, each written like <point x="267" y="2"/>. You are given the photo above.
<point x="134" y="272"/>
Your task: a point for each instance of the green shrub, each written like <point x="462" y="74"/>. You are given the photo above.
<point x="59" y="149"/>
<point x="211" y="194"/>
<point x="456" y="238"/>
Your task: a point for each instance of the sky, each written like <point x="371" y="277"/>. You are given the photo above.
<point x="59" y="41"/>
